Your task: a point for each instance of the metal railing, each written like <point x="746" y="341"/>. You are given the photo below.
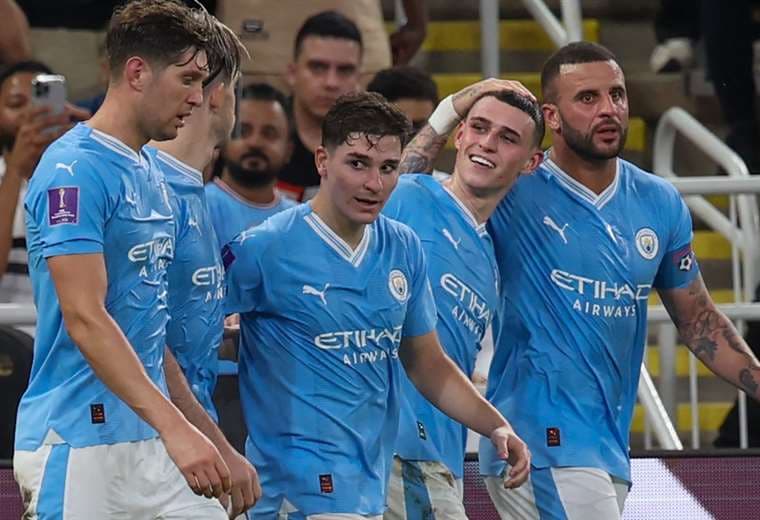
<point x="741" y="228"/>
<point x="570" y="29"/>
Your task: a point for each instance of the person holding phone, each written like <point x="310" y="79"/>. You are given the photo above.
<point x="25" y="132"/>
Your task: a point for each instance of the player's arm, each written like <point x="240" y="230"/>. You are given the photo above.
<point x="444" y="385"/>
<point x="245" y="481"/>
<point x="115" y="362"/>
<point x="711" y="336"/>
<point x="420" y="154"/>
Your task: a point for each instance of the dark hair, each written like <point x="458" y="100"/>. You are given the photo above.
<point x="328" y="24"/>
<point x="264" y="92"/>
<point x="524" y="103"/>
<point x="363" y="113"/>
<point x="159" y="31"/>
<point x="230" y="51"/>
<point x="404" y="82"/>
<point x="23" y="66"/>
<point x="570" y="54"/>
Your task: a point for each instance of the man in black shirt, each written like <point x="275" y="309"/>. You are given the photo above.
<point x="327" y="59"/>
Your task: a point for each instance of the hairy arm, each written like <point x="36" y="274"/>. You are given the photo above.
<point x="712" y="337"/>
<point x="421" y="152"/>
<point x="437" y="377"/>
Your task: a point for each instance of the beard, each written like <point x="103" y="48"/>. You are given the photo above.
<point x="253" y="177"/>
<point x="583" y="144"/>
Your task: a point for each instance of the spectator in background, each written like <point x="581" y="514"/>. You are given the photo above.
<point x="268" y="27"/>
<point x="411" y="89"/>
<point x="14" y="38"/>
<point x="24" y="134"/>
<point x="245" y="195"/>
<point x="326" y="61"/>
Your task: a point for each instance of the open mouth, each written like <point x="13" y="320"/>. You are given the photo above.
<point x="367" y="203"/>
<point x="482" y="161"/>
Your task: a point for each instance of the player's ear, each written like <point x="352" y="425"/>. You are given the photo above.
<point x="215" y="94"/>
<point x="290" y="75"/>
<point x="137" y="73"/>
<point x="320" y="159"/>
<point x="551" y="116"/>
<point x="459" y="134"/>
<point x="533" y="162"/>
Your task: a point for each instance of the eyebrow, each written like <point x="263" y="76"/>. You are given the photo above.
<point x="507" y="129"/>
<point x="357" y="155"/>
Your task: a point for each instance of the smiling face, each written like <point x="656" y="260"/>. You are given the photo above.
<point x="495" y="143"/>
<point x="358" y="176"/>
<point x="171" y="93"/>
<point x="590" y="110"/>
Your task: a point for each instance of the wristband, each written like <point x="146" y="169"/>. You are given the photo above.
<point x="444" y="118"/>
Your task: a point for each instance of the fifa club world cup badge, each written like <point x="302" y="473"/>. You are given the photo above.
<point x="63" y="205"/>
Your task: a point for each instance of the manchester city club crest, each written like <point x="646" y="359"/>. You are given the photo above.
<point x="398" y="286"/>
<point x="647" y="243"/>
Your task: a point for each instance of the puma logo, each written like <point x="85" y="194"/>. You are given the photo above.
<point x="561" y="230"/>
<point x="308" y="289"/>
<point x="450" y="238"/>
<point x="68" y="167"/>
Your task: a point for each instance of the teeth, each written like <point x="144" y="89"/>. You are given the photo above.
<point x="482" y="161"/>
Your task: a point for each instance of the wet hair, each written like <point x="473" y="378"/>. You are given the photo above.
<point x="570" y="54"/>
<point x="404" y="82"/>
<point x="21" y="67"/>
<point x="328" y="24"/>
<point x="160" y="31"/>
<point x="230" y="51"/>
<point x="527" y="105"/>
<point x="366" y="114"/>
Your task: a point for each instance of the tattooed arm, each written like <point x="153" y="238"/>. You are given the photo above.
<point x="712" y="337"/>
<point x="420" y="154"/>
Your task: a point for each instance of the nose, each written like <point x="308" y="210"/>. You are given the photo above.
<point x="607" y="105"/>
<point x="374" y="181"/>
<point x="331" y="79"/>
<point x="196" y="96"/>
<point x="489" y="141"/>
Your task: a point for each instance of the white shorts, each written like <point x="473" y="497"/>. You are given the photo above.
<point x="559" y="494"/>
<point x="289" y="512"/>
<point x="422" y="489"/>
<point x="127" y="481"/>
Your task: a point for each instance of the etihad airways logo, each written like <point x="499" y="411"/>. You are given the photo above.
<point x="359" y="338"/>
<point x="599" y="289"/>
<point x="156" y="253"/>
<point x="470" y="310"/>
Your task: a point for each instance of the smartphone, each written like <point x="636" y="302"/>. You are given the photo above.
<point x="50" y="90"/>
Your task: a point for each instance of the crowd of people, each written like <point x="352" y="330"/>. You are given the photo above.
<point x="195" y="214"/>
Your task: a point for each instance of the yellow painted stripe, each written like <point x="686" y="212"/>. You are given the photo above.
<point x="718" y="296"/>
<point x="719" y="201"/>
<point x="711" y="415"/>
<point x="682" y="362"/>
<point x="710" y="245"/>
<point x="514" y="35"/>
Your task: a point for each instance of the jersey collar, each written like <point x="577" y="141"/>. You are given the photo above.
<point x="575" y="187"/>
<point x="469" y="217"/>
<point x="115" y="145"/>
<point x="352" y="256"/>
<point x="185" y="169"/>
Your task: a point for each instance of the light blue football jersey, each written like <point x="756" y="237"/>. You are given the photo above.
<point x="196" y="281"/>
<point x="92" y="194"/>
<point x="321" y="326"/>
<point x="577" y="270"/>
<point x="463" y="273"/>
<point x="231" y="214"/>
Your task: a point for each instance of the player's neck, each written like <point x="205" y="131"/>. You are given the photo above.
<point x="256" y="195"/>
<point x="350" y="232"/>
<point x="596" y="175"/>
<point x="308" y="127"/>
<point x="112" y="119"/>
<point x="481" y="205"/>
<point x="194" y="152"/>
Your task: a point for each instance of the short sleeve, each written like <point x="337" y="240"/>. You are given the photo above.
<point x="69" y="206"/>
<point x="421" y="311"/>
<point x="678" y="267"/>
<point x="243" y="273"/>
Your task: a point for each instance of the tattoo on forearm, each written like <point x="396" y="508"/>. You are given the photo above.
<point x="421" y="152"/>
<point x="710" y="331"/>
<point x="747" y="381"/>
<point x="705" y="348"/>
